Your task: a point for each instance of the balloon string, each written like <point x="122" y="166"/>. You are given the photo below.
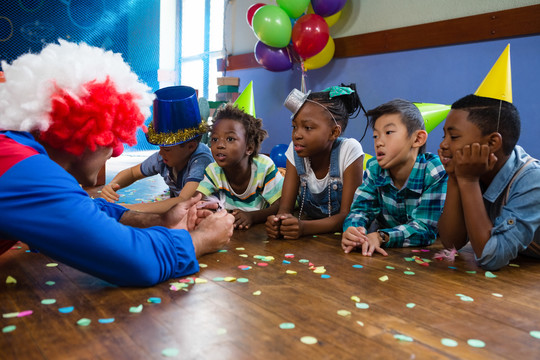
<point x="303" y="82"/>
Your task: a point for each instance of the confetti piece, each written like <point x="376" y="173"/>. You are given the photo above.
<point x="66" y="310"/>
<point x="170" y="352"/>
<point x="50" y="283"/>
<point x="402" y="337"/>
<point x="257" y="293"/>
<point x="177" y="286"/>
<point x="200" y="281"/>
<point x="51" y="265"/>
<point x="222" y="251"/>
<point x="411" y="305"/>
<point x="489" y="274"/>
<point x="243" y="255"/>
<point x="136" y="309"/>
<point x="262" y="264"/>
<point x="513" y="265"/>
<point x="303" y="261"/>
<point x="409" y="259"/>
<point x="221" y="331"/>
<point x="344" y="313"/>
<point x="449" y="342"/>
<point x="242" y="280"/>
<point x="390" y="267"/>
<point x="218" y="279"/>
<point x="8" y="328"/>
<point x="465" y="297"/>
<point x="356" y="266"/>
<point x="535" y="334"/>
<point x="452" y="267"/>
<point x="244" y="267"/>
<point x="471" y="272"/>
<point x="497" y="295"/>
<point x="48" y="301"/>
<point x="359" y="322"/>
<point x="11" y="280"/>
<point x="425" y="250"/>
<point x="10" y="315"/>
<point x="203" y="265"/>
<point x="362" y="306"/>
<point x="355" y="298"/>
<point x="286" y="326"/>
<point x="408" y="272"/>
<point x="325" y="276"/>
<point x="309" y="340"/>
<point x="154" y="300"/>
<point x="286" y="262"/>
<point x="319" y="270"/>
<point x="291" y="272"/>
<point x="106" y="321"/>
<point x="289" y="256"/>
<point x="383" y="278"/>
<point x="240" y="248"/>
<point x="229" y="279"/>
<point x="476" y="343"/>
<point x="415" y="251"/>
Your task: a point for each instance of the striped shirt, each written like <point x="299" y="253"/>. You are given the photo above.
<point x="409" y="215"/>
<point x="263" y="190"/>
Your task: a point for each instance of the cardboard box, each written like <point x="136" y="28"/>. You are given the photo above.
<point x="234" y="81"/>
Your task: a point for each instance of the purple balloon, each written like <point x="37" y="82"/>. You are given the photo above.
<point x="273" y="59"/>
<point x="326" y="8"/>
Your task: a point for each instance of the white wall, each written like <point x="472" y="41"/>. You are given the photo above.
<point x="365" y="16"/>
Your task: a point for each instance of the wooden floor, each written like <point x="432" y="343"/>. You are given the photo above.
<point x="226" y="312"/>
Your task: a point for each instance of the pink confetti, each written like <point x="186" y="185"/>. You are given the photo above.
<point x="289" y="256"/>
<point x="262" y="264"/>
<point x="25" y="313"/>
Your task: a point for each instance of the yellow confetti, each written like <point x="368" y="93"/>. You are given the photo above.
<point x="230" y="279"/>
<point x="344" y="313"/>
<point x="360" y="323"/>
<point x="11" y="280"/>
<point x="240" y="249"/>
<point x="201" y="281"/>
<point x="291" y="272"/>
<point x="243" y="255"/>
<point x="51" y="265"/>
<point x="383" y="278"/>
<point x="319" y="270"/>
<point x="203" y="265"/>
<point x="355" y="298"/>
<point x="257" y="293"/>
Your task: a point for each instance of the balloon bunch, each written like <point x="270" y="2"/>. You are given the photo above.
<point x="294" y="31"/>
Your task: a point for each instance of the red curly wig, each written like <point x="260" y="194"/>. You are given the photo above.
<point x="100" y="116"/>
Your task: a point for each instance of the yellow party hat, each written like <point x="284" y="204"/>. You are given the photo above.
<point x="246" y="101"/>
<point x="498" y="82"/>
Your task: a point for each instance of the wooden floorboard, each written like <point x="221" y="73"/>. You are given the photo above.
<point x="224" y="320"/>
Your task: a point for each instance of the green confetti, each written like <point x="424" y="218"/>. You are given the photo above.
<point x="390" y="267"/>
<point x="471" y="272"/>
<point x="84" y="322"/>
<point x="52" y="265"/>
<point x="411" y="305"/>
<point x="11" y="280"/>
<point x="8" y="328"/>
<point x="222" y="251"/>
<point x="408" y="272"/>
<point x="535" y="334"/>
<point x="48" y="301"/>
<point x="50" y="283"/>
<point x="242" y="280"/>
<point x="513" y="265"/>
<point x="402" y="337"/>
<point x="489" y="274"/>
<point x="449" y="342"/>
<point x="170" y="352"/>
<point x="136" y="309"/>
<point x="362" y="305"/>
<point x="476" y="343"/>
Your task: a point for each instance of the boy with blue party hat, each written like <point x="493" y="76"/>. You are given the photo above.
<point x="177" y="129"/>
<point x="493" y="184"/>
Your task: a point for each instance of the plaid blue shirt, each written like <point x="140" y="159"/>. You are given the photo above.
<point x="408" y="215"/>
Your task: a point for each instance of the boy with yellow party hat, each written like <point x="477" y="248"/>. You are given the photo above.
<point x="493" y="185"/>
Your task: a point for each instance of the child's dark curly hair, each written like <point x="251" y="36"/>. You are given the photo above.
<point x="255" y="134"/>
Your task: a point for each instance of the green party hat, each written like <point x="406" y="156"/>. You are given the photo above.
<point x="433" y="114"/>
<point x="246" y="101"/>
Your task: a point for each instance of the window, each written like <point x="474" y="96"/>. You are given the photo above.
<point x="191" y="41"/>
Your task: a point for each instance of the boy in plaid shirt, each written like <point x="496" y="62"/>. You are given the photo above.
<point x="404" y="188"/>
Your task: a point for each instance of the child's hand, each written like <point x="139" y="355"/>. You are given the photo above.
<point x="242" y="219"/>
<point x="108" y="192"/>
<point x="372" y="244"/>
<point x="352" y="238"/>
<point x="291" y="227"/>
<point x="473" y="161"/>
<point x="272" y="225"/>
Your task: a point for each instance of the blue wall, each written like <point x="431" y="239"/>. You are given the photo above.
<point x="437" y="75"/>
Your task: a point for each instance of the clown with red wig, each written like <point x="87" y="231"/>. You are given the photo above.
<point x="63" y="113"/>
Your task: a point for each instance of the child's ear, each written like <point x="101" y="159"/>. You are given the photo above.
<point x="420" y="138"/>
<point x="249" y="149"/>
<point x="495" y="141"/>
<point x="336" y="132"/>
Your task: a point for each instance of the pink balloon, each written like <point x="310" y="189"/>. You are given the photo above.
<point x="251" y="12"/>
<point x="310" y="35"/>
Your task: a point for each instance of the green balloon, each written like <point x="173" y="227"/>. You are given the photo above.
<point x="272" y="26"/>
<point x="293" y="8"/>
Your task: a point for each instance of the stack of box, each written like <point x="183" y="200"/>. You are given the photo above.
<point x="227" y="92"/>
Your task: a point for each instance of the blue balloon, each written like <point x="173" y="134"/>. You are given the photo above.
<point x="278" y="155"/>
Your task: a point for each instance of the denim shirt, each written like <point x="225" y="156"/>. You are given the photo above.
<point x="316" y="205"/>
<point x="516" y="224"/>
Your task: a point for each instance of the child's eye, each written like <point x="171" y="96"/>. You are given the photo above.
<point x="389" y="132"/>
<point x="308" y="128"/>
<point x="213" y="139"/>
<point x="230" y="139"/>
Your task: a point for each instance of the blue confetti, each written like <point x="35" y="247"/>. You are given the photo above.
<point x="357" y="266"/>
<point x="66" y="310"/>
